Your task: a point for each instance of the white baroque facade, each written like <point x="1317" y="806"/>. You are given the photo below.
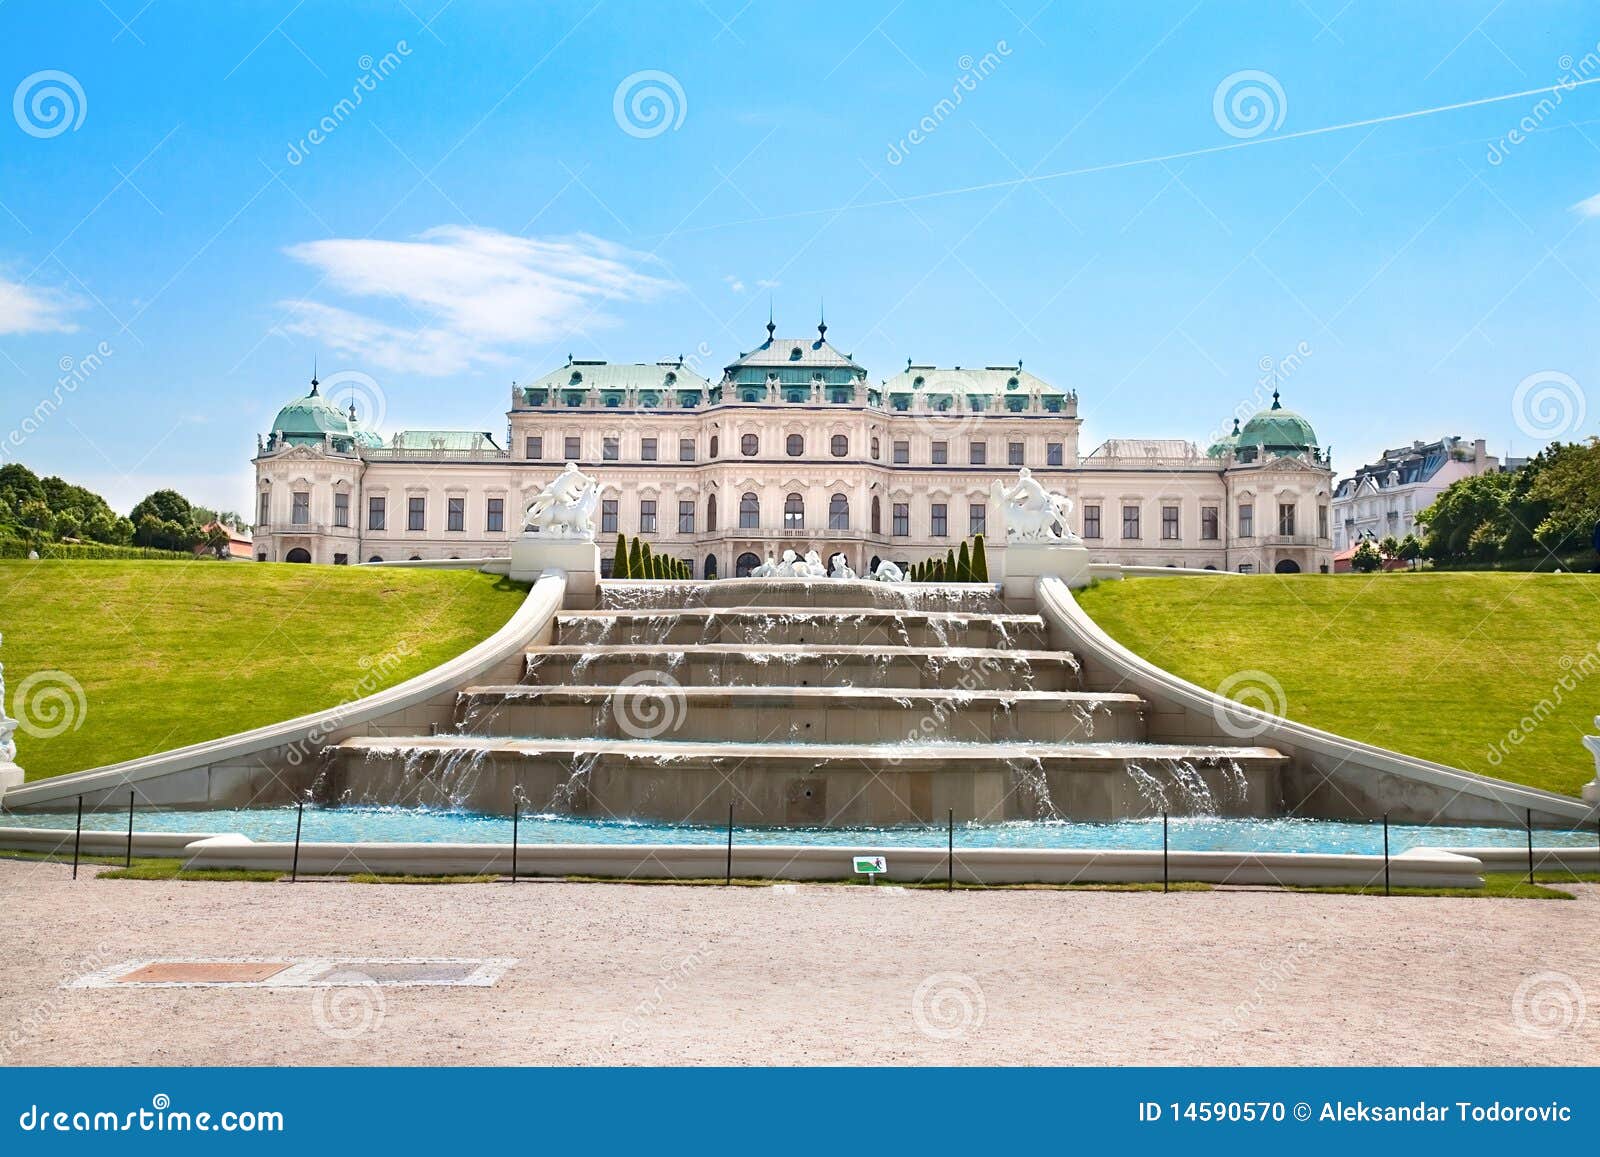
<point x="1384" y="497"/>
<point x="793" y="447"/>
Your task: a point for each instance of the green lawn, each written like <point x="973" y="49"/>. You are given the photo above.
<point x="171" y="653"/>
<point x="1445" y="666"/>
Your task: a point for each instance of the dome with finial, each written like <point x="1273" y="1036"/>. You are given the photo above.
<point x="1278" y="431"/>
<point x="1225" y="445"/>
<point x="310" y="418"/>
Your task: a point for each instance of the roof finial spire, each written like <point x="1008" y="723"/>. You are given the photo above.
<point x="314" y="382"/>
<point x="771" y="328"/>
<point x="1275" y="404"/>
<point x="822" y="321"/>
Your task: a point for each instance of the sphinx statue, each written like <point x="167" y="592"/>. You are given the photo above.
<point x="1030" y="513"/>
<point x="565" y="508"/>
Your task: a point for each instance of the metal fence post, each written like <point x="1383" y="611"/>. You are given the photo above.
<point x="128" y="860"/>
<point x="294" y="866"/>
<point x="1386" y="853"/>
<point x="950" y="855"/>
<point x="77" y="839"/>
<point x="1530" y="845"/>
<point x="1165" y="877"/>
<point x="516" y="820"/>
<point x="728" y="878"/>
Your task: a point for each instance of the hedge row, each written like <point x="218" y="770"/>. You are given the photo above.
<point x="20" y="548"/>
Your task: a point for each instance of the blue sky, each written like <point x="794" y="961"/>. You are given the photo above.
<point x="1094" y="204"/>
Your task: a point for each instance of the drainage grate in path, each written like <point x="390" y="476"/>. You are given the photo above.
<point x="299" y="972"/>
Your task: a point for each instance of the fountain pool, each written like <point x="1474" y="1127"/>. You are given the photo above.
<point x="433" y="826"/>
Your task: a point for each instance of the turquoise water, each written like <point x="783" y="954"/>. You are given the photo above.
<point x="430" y="826"/>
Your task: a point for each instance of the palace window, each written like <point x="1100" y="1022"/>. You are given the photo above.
<point x="877" y="447"/>
<point x="838" y="513"/>
<point x="685" y="449"/>
<point x="794" y="512"/>
<point x="711" y="512"/>
<point x="341" y="508"/>
<point x="1052" y="454"/>
<point x="1322" y="519"/>
<point x="1286" y="518"/>
<point x="902" y="453"/>
<point x="877" y="516"/>
<point x="647" y="516"/>
<point x="978" y="453"/>
<point x="794" y="445"/>
<point x="573" y="447"/>
<point x="715" y="445"/>
<point x="749" y="511"/>
<point x="748" y="445"/>
<point x="1091" y="521"/>
<point x="685" y="516"/>
<point x="266" y="504"/>
<point x="1208" y="523"/>
<point x="534" y="447"/>
<point x="376" y="514"/>
<point x="940" y="519"/>
<point x="608" y="566"/>
<point x="840" y="445"/>
<point x="941" y="453"/>
<point x="610" y="449"/>
<point x="1130" y="522"/>
<point x="1247" y="520"/>
<point x="902" y="519"/>
<point x="341" y="560"/>
<point x="608" y="516"/>
<point x="494" y="515"/>
<point x="647" y="449"/>
<point x="416" y="513"/>
<point x="977" y="518"/>
<point x="300" y="513"/>
<point x="1014" y="454"/>
<point x="456" y="514"/>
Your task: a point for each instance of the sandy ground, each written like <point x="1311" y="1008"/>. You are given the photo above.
<point x="676" y="975"/>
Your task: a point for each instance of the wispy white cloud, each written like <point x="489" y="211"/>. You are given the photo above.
<point x="463" y="297"/>
<point x="1588" y="207"/>
<point x="734" y="283"/>
<point x="32" y="309"/>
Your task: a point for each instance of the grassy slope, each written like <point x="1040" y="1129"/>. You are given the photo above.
<point x="171" y="653"/>
<point x="1436" y="665"/>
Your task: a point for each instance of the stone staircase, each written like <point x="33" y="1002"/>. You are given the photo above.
<point x="802" y="703"/>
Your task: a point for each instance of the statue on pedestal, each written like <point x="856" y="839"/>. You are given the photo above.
<point x="1030" y="513"/>
<point x="565" y="508"/>
<point x="8" y="725"/>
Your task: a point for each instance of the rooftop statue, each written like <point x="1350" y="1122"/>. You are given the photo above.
<point x="565" y="508"/>
<point x="1030" y="513"/>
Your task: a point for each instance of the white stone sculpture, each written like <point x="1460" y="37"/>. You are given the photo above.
<point x="1030" y="513"/>
<point x="1591" y="790"/>
<point x="788" y="566"/>
<point x="841" y="568"/>
<point x="565" y="508"/>
<point x="766" y="569"/>
<point x="887" y="572"/>
<point x="8" y="728"/>
<point x="812" y="567"/>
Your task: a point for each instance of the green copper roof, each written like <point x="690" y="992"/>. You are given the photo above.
<point x="996" y="380"/>
<point x="310" y="418"/>
<point x="598" y="375"/>
<point x="1224" y="445"/>
<point x="444" y="440"/>
<point x="1281" y="431"/>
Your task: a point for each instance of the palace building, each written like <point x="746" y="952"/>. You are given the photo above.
<point x="794" y="446"/>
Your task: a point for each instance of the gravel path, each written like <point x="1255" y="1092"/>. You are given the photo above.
<point x="815" y="975"/>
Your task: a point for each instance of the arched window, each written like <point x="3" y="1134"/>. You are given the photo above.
<point x="376" y="558"/>
<point x="749" y="511"/>
<point x="714" y="445"/>
<point x="838" y="513"/>
<point x="711" y="512"/>
<point x="298" y="554"/>
<point x="840" y="445"/>
<point x="794" y="512"/>
<point x="746" y="563"/>
<point x="877" y="523"/>
<point x="748" y="445"/>
<point x="711" y="566"/>
<point x="876" y="447"/>
<point x="794" y="445"/>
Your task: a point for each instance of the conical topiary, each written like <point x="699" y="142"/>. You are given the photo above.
<point x="963" y="564"/>
<point x="636" y="560"/>
<point x="949" y="566"/>
<point x="619" y="561"/>
<point x="980" y="562"/>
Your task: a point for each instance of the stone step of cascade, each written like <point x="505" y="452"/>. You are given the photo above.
<point x="721" y="665"/>
<point x="798" y="714"/>
<point x="973" y="598"/>
<point x="799" y="784"/>
<point x="860" y="626"/>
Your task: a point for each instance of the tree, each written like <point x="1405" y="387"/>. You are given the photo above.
<point x="963" y="564"/>
<point x="619" y="561"/>
<point x="980" y="562"/>
<point x="18" y="485"/>
<point x="165" y="520"/>
<point x="1410" y="550"/>
<point x="1366" y="558"/>
<point x="1564" y="483"/>
<point x="635" y="560"/>
<point x="949" y="566"/>
<point x="1389" y="548"/>
<point x="1467" y="504"/>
